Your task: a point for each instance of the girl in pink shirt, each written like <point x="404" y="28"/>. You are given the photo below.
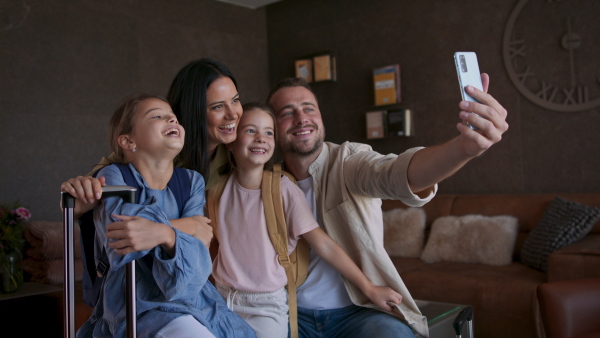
<point x="246" y="269"/>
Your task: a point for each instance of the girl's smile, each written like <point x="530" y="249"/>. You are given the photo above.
<point x="172" y="131"/>
<point x="255" y="141"/>
<point x="156" y="128"/>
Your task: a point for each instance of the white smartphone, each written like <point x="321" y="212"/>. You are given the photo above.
<point x="467" y="69"/>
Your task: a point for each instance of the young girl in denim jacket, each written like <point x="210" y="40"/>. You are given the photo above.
<point x="174" y="296"/>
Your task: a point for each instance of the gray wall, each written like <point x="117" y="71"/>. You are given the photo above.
<point x="65" y="65"/>
<point x="543" y="151"/>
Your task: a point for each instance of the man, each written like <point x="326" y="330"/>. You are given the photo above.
<point x="344" y="185"/>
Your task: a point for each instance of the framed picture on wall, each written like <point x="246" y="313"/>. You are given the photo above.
<point x="324" y="67"/>
<point x="376" y="124"/>
<point x="399" y="122"/>
<point x="316" y="67"/>
<point x="304" y="69"/>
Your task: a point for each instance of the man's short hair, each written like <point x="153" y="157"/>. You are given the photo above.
<point x="290" y="82"/>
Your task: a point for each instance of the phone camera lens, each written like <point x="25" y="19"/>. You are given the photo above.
<point x="463" y="64"/>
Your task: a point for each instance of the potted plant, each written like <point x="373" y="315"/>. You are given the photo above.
<point x="12" y="226"/>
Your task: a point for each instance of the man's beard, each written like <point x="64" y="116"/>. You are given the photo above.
<point x="297" y="149"/>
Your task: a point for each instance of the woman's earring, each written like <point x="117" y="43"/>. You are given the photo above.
<point x="133" y="150"/>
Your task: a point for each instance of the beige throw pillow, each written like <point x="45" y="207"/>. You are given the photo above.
<point x="404" y="232"/>
<point x="472" y="239"/>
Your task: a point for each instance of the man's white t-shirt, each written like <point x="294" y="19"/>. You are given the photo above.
<point x="324" y="288"/>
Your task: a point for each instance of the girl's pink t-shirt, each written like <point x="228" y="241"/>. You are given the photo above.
<point x="246" y="259"/>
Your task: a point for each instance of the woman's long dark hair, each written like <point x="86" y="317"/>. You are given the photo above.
<point x="187" y="97"/>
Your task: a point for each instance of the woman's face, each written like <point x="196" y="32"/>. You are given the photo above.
<point x="223" y="110"/>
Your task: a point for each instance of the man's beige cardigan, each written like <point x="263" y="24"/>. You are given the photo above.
<point x="349" y="182"/>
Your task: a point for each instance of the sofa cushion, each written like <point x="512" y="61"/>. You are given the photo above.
<point x="45" y="240"/>
<point x="563" y="222"/>
<point x="404" y="232"/>
<point x="472" y="239"/>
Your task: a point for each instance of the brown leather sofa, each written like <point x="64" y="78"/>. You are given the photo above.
<point x="570" y="309"/>
<point x="504" y="297"/>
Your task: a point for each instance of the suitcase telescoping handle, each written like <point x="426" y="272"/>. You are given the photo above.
<point x="68" y="202"/>
<point x="466" y="315"/>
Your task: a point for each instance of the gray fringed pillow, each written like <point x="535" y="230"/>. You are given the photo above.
<point x="404" y="232"/>
<point x="563" y="222"/>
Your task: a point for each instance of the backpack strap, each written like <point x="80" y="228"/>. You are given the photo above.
<point x="180" y="186"/>
<point x="300" y="257"/>
<point x="212" y="204"/>
<point x="129" y="178"/>
<point x="91" y="282"/>
<point x="278" y="232"/>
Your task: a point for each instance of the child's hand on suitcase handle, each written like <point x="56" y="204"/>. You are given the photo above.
<point x="87" y="190"/>
<point x="382" y="296"/>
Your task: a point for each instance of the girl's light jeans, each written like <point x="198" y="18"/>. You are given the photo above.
<point x="265" y="312"/>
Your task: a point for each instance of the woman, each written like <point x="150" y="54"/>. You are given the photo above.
<point x="204" y="98"/>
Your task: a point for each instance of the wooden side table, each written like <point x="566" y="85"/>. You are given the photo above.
<point x="35" y="310"/>
<point x="30" y="289"/>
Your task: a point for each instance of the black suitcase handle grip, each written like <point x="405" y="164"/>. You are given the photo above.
<point x="127" y="193"/>
<point x="466" y="315"/>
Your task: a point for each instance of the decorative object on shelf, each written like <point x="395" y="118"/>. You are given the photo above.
<point x="386" y="82"/>
<point x="12" y="226"/>
<point x="399" y="122"/>
<point x="317" y="67"/>
<point x="304" y="69"/>
<point x="376" y="124"/>
<point x="391" y="122"/>
<point x="554" y="64"/>
<point x="11" y="271"/>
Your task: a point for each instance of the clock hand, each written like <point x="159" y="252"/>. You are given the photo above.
<point x="570" y="42"/>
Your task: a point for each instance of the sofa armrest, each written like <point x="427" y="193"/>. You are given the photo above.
<point x="576" y="261"/>
<point x="570" y="308"/>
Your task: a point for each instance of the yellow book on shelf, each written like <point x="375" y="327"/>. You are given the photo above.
<point x="387" y="85"/>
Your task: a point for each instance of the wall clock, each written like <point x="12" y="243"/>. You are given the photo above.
<point x="551" y="51"/>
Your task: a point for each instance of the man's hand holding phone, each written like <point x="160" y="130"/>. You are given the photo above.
<point x="467" y="69"/>
<point x="487" y="114"/>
